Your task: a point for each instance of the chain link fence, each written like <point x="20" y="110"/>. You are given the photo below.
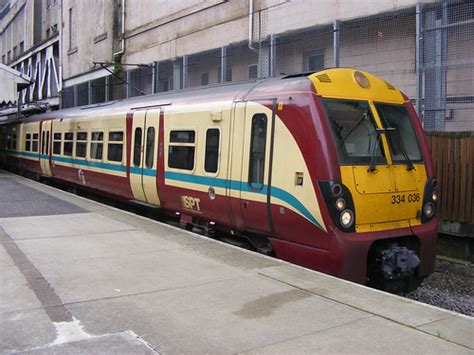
<point x="427" y="51"/>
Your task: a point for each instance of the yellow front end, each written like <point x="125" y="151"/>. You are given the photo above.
<point x="387" y="187"/>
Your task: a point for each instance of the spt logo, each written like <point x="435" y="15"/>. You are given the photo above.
<point x="190" y="203"/>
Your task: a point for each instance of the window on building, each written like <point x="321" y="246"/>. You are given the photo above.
<point x="15" y="51"/>
<point x="57" y="143"/>
<point x="68" y="142"/>
<point x="205" y="79"/>
<point x="3" y="59"/>
<point x="34" y="142"/>
<point x="253" y="71"/>
<point x="115" y="146"/>
<point x="212" y="150"/>
<point x="22" y="47"/>
<point x="257" y="151"/>
<point x="28" y="142"/>
<point x="98" y="90"/>
<point x="9" y="56"/>
<point x="150" y="147"/>
<point x="137" y="149"/>
<point x="314" y="60"/>
<point x="181" y="150"/>
<point x="97" y="145"/>
<point x="81" y="144"/>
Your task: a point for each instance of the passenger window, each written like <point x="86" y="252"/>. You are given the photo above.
<point x="28" y="142"/>
<point x="137" y="149"/>
<point x="257" y="151"/>
<point x="97" y="145"/>
<point x="181" y="150"/>
<point x="81" y="144"/>
<point x="115" y="146"/>
<point x="212" y="150"/>
<point x="68" y="141"/>
<point x="150" y="147"/>
<point x="57" y="143"/>
<point x="34" y="142"/>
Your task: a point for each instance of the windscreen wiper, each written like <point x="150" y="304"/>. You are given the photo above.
<point x="410" y="165"/>
<point x="373" y="153"/>
<point x="365" y="115"/>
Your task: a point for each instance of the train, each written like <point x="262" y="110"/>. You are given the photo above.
<point x="329" y="170"/>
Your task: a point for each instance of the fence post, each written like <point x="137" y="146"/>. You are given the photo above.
<point x="419" y="59"/>
<point x="335" y="27"/>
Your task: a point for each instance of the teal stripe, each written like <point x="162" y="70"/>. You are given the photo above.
<point x="241" y="186"/>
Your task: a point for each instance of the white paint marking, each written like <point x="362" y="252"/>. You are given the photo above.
<point x="67" y="332"/>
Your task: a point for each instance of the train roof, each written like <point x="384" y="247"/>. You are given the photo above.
<point x="264" y="88"/>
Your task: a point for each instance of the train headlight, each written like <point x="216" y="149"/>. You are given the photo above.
<point x="347" y="218"/>
<point x="428" y="210"/>
<point x="340" y="204"/>
<point x="434" y="196"/>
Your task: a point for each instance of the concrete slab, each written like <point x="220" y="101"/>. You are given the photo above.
<point x="60" y="226"/>
<point x="120" y="343"/>
<point x="365" y="336"/>
<point x="457" y="328"/>
<point x="398" y="309"/>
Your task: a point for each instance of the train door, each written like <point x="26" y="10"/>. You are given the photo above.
<point x="255" y="170"/>
<point x="143" y="162"/>
<point x="45" y="155"/>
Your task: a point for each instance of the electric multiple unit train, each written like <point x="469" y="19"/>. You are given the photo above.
<point x="327" y="170"/>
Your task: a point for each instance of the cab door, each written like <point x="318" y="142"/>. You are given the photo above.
<point x="144" y="153"/>
<point x="255" y="177"/>
<point x="45" y="151"/>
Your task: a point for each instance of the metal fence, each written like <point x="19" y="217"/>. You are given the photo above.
<point x="427" y="51"/>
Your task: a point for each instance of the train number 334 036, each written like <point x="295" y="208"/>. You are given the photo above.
<point x="402" y="198"/>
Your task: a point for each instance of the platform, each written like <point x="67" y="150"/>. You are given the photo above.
<point x="77" y="276"/>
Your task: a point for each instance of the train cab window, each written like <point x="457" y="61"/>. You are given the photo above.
<point x="81" y="144"/>
<point x="354" y="130"/>
<point x="150" y="147"/>
<point x="57" y="143"/>
<point x="115" y="146"/>
<point x="211" y="158"/>
<point x="181" y="149"/>
<point x="34" y="142"/>
<point x="97" y="145"/>
<point x="258" y="141"/>
<point x="28" y="142"/>
<point x="68" y="142"/>
<point x="137" y="149"/>
<point x="401" y="136"/>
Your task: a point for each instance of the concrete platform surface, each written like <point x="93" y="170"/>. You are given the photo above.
<point x="79" y="277"/>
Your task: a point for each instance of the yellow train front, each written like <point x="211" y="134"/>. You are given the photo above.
<point x="382" y="196"/>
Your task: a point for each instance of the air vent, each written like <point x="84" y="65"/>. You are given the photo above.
<point x="390" y="86"/>
<point x="324" y="78"/>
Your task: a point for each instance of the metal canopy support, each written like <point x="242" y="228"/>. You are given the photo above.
<point x="272" y="55"/>
<point x="177" y="74"/>
<point x="223" y="63"/>
<point x="419" y="59"/>
<point x="184" y="77"/>
<point x="336" y="46"/>
<point x="154" y="78"/>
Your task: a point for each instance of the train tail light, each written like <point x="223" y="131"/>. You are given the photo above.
<point x="339" y="203"/>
